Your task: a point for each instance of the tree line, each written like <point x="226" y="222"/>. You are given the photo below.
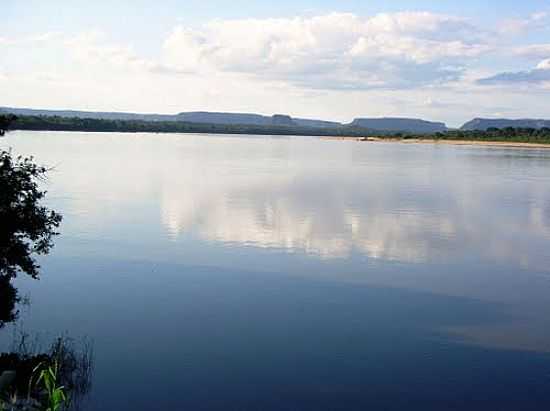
<point x="57" y="123"/>
<point x="522" y="135"/>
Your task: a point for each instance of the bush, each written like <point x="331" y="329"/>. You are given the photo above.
<point x="26" y="227"/>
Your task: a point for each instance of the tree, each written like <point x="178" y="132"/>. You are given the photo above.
<point x="26" y="226"/>
<point x="27" y="229"/>
<point x="5" y="121"/>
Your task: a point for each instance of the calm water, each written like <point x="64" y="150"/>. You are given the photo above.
<point x="257" y="273"/>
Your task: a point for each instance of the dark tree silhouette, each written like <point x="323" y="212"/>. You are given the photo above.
<point x="8" y="300"/>
<point x="5" y="121"/>
<point x="26" y="227"/>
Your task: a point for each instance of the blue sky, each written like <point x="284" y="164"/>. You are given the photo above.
<point x="338" y="60"/>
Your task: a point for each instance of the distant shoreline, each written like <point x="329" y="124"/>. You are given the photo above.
<point x="508" y="137"/>
<point x="510" y="144"/>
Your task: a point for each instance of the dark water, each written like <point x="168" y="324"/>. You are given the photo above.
<point x="254" y="273"/>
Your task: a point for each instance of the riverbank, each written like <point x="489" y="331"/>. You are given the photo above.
<point x="510" y="144"/>
<point x="510" y="137"/>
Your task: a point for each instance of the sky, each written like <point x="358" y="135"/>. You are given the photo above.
<point x="446" y="61"/>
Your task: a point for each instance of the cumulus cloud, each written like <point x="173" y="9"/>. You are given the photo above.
<point x="539" y="75"/>
<point x="306" y="66"/>
<point x="338" y="50"/>
<point x="539" y="51"/>
<point x="92" y="48"/>
<point x="32" y="40"/>
<point x="535" y="21"/>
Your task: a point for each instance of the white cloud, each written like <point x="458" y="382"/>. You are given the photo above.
<point x="92" y="48"/>
<point x="411" y="49"/>
<point x="335" y="66"/>
<point x="540" y="75"/>
<point x="535" y="21"/>
<point x="32" y="40"/>
<point x="534" y="51"/>
<point x="339" y="50"/>
<point x="43" y="37"/>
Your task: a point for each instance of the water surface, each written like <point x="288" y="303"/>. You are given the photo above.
<point x="243" y="272"/>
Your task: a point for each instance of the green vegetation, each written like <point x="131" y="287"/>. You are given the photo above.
<point x="52" y="380"/>
<point x="509" y="134"/>
<point x="55" y="123"/>
<point x="31" y="379"/>
<point x="27" y="227"/>
<point x="47" y="379"/>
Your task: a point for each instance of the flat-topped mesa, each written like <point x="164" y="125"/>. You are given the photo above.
<point x="389" y="124"/>
<point x="208" y="117"/>
<point x="282" y="120"/>
<point x="483" y="124"/>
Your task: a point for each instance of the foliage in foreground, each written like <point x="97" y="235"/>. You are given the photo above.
<point x="31" y="380"/>
<point x="26" y="226"/>
<point x="47" y="377"/>
<point x="49" y="381"/>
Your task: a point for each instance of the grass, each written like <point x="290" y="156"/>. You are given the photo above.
<point x="47" y="380"/>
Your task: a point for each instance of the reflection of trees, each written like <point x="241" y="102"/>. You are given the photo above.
<point x="8" y="300"/>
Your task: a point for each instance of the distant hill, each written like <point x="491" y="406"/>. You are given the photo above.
<point x="223" y="118"/>
<point x="202" y="117"/>
<point x="384" y="124"/>
<point x="317" y="123"/>
<point x="247" y="119"/>
<point x="389" y="124"/>
<point x="88" y="114"/>
<point x="483" y="124"/>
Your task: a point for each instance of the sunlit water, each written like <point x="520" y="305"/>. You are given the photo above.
<point x="259" y="273"/>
